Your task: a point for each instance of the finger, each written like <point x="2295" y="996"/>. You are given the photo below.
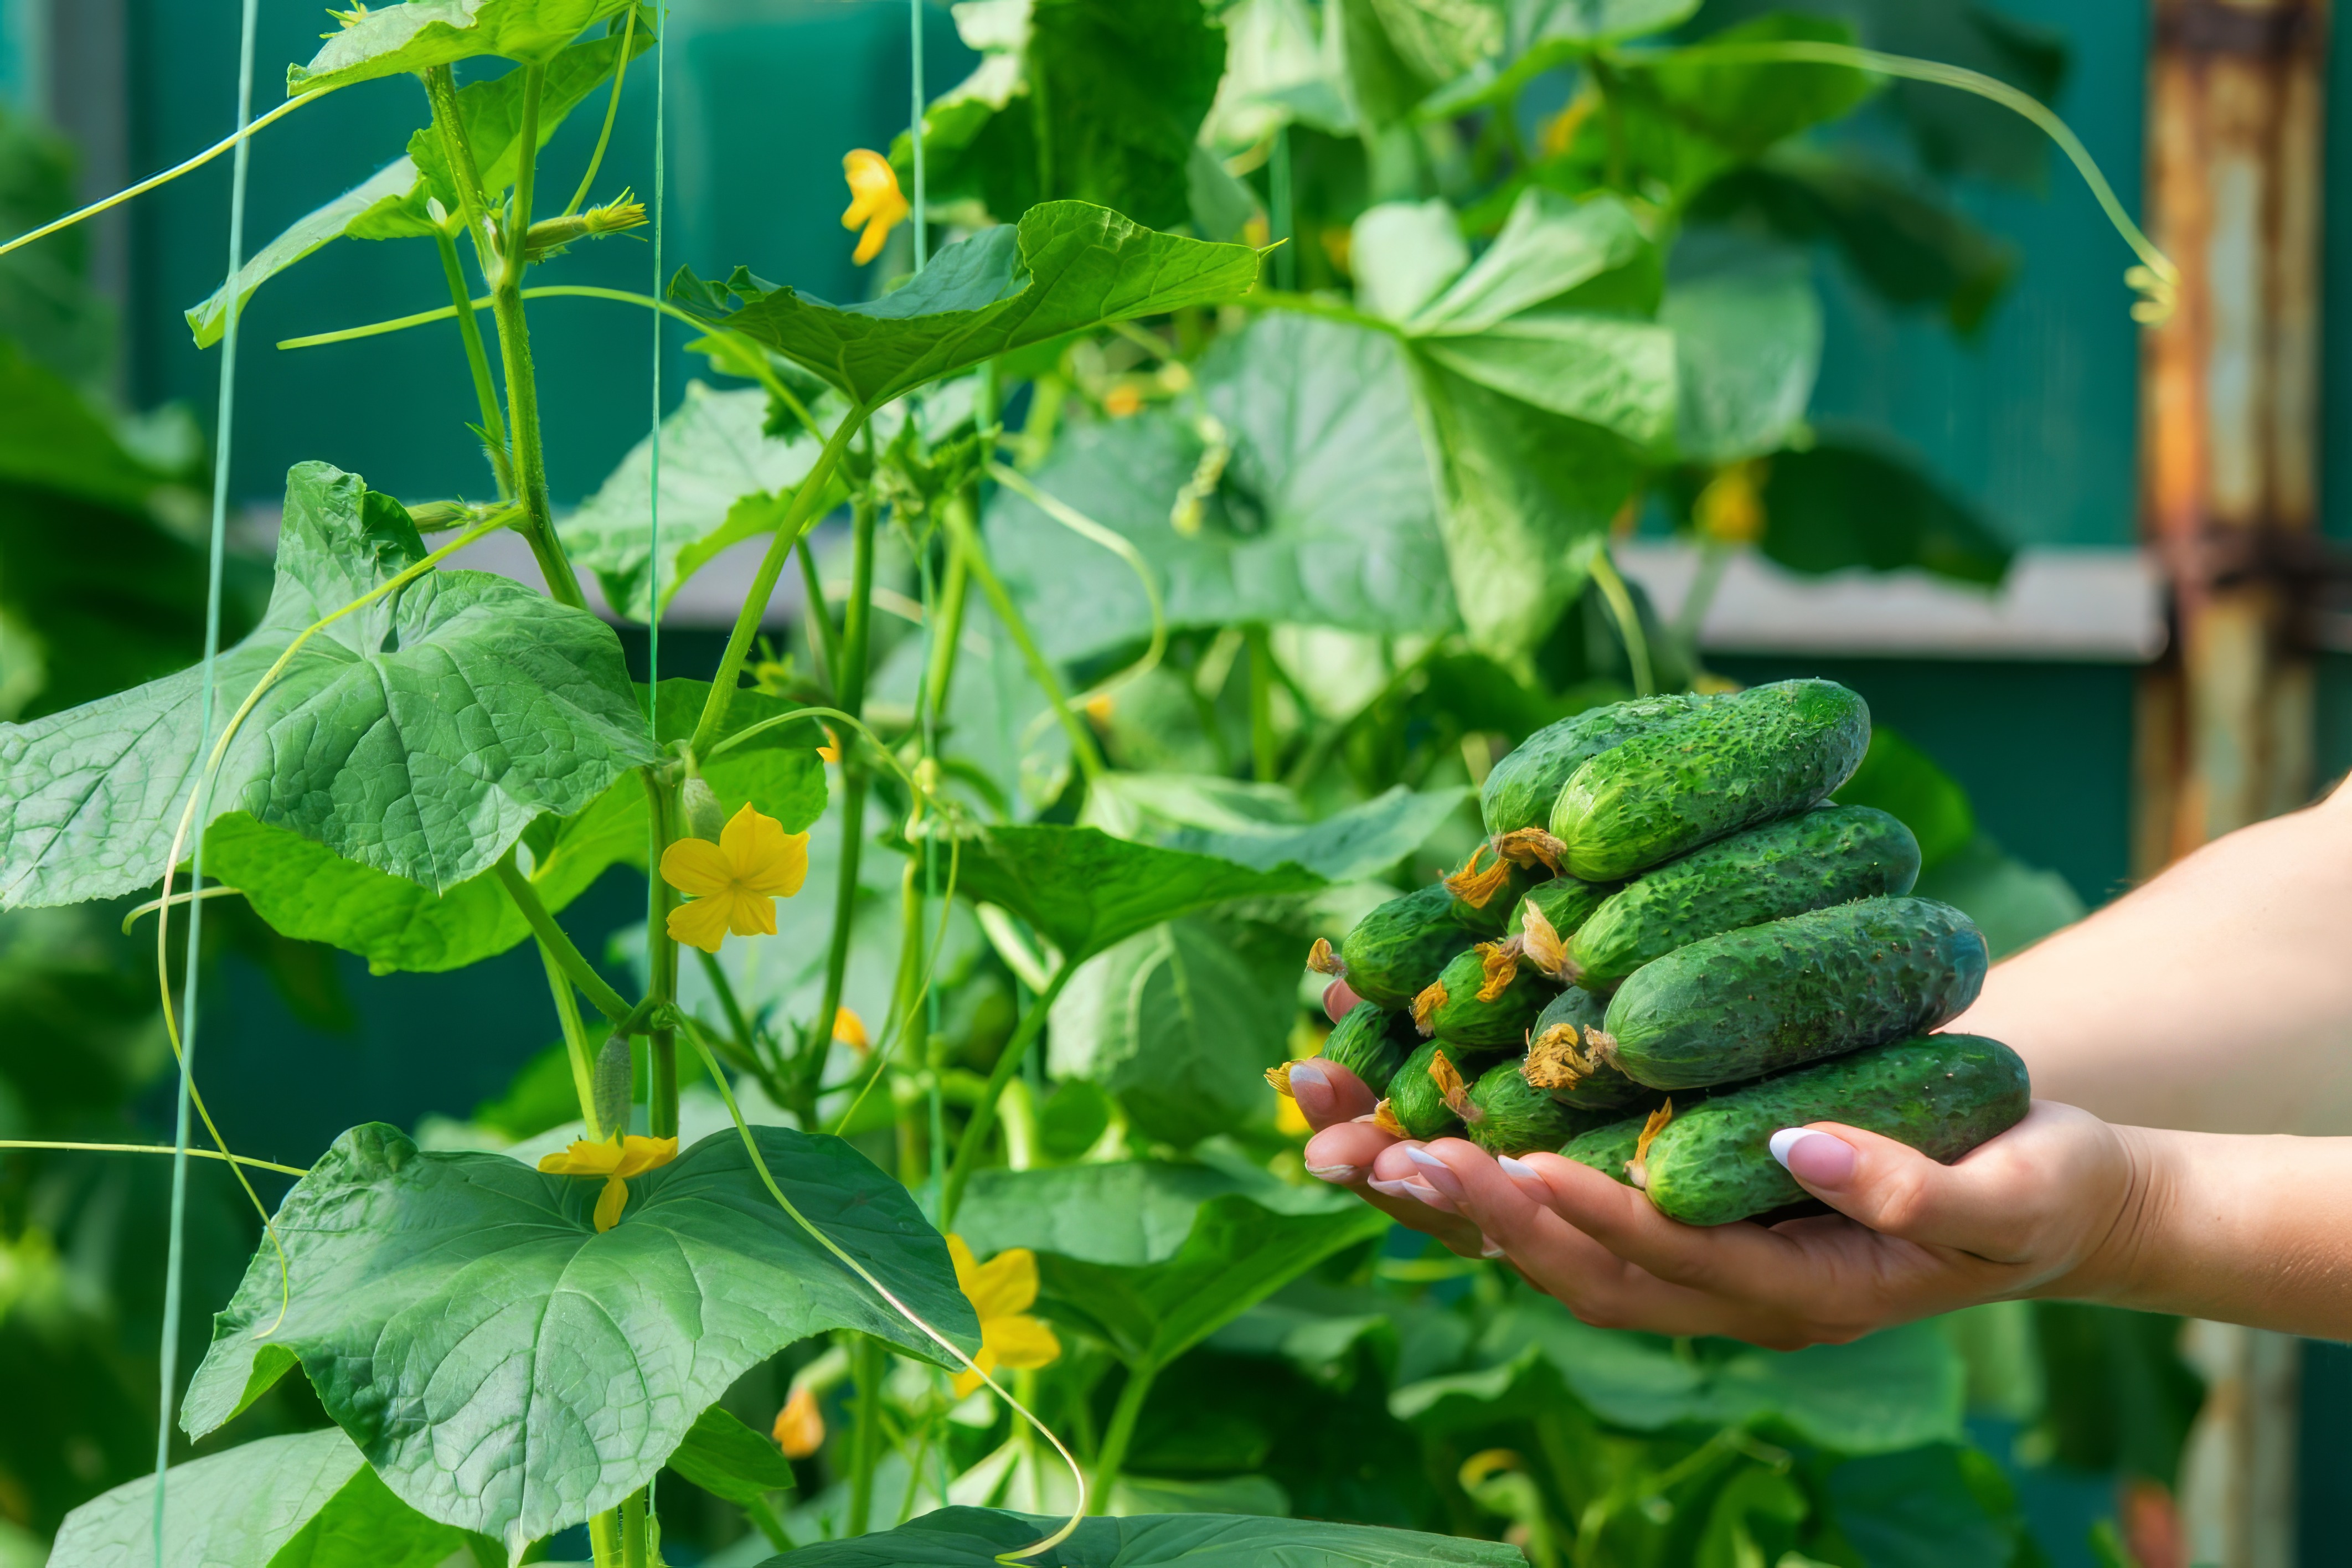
<point x="1735" y="1261"/>
<point x="1347" y="1156"/>
<point x="1329" y="1093"/>
<point x="1343" y="1153"/>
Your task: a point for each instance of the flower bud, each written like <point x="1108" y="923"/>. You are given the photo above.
<point x="699" y="803"/>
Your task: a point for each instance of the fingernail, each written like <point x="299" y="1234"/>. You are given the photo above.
<point x="1488" y="1247"/>
<point x="1434" y="1171"/>
<point x="1341" y="1174"/>
<point x="1310" y="1086"/>
<point x="1430" y="1195"/>
<point x="1525" y="1176"/>
<point x="1386" y="1189"/>
<point x="1816" y="1158"/>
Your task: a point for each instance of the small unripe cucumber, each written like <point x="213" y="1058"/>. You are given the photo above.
<point x="1372" y="1042"/>
<point x="1562" y="1061"/>
<point x="1400" y="947"/>
<point x="1565" y="904"/>
<point x="1502" y="1113"/>
<point x="1519" y="789"/>
<point x="1419" y="1099"/>
<point x="1484" y="999"/>
<point x="1809" y="861"/>
<point x="1744" y="758"/>
<point x="1607" y="1149"/>
<point x="1942" y="1094"/>
<point x="1792" y="991"/>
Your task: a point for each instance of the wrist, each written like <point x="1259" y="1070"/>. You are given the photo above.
<point x="2129" y="1244"/>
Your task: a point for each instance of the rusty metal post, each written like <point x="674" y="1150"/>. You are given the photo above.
<point x="2229" y="466"/>
<point x="2229" y="414"/>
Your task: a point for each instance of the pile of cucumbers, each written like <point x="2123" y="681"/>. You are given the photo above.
<point x="1668" y="948"/>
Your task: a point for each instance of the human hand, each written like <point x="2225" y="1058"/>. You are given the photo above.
<point x="2052" y="1207"/>
<point x="1346" y="1144"/>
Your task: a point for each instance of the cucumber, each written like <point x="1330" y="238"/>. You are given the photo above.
<point x="1562" y="1061"/>
<point x="1519" y="789"/>
<point x="1607" y="1149"/>
<point x="1742" y="759"/>
<point x="1791" y="990"/>
<point x="1830" y="855"/>
<point x="1488" y="889"/>
<point x="1419" y="1103"/>
<point x="1400" y="947"/>
<point x="1942" y="1094"/>
<point x="1484" y="999"/>
<point x="1502" y="1113"/>
<point x="1372" y="1042"/>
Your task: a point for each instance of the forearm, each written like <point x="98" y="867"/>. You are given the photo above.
<point x="2235" y="1229"/>
<point x="2217" y="999"/>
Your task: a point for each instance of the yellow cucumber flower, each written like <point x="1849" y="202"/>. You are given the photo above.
<point x="799" y="1430"/>
<point x="615" y="1159"/>
<point x="849" y="1029"/>
<point x="1001" y="1291"/>
<point x="734" y="883"/>
<point x="875" y="202"/>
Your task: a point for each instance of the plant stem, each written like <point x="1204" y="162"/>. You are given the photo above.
<point x="1265" y="760"/>
<point x="849" y="690"/>
<point x="578" y="969"/>
<point x="661" y="958"/>
<point x="633" y="1531"/>
<point x="738" y="1024"/>
<point x="1622" y="610"/>
<point x="477" y="360"/>
<point x="1285" y="223"/>
<point x="575" y="1042"/>
<point x="763" y="582"/>
<point x="504" y="273"/>
<point x="820" y="619"/>
<point x="968" y="544"/>
<point x="866" y="1434"/>
<point x="940" y="677"/>
<point x="983" y="1114"/>
<point x="1120" y="1432"/>
<point x="604" y="1538"/>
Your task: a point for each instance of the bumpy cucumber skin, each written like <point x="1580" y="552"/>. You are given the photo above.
<point x="1745" y="758"/>
<point x="1400" y="947"/>
<point x="1519" y="789"/>
<point x="1372" y="1042"/>
<point x="1942" y="1094"/>
<point x="1812" y="861"/>
<point x="1416" y="1101"/>
<point x="1566" y="902"/>
<point x="1501" y="1025"/>
<point x="1607" y="1148"/>
<point x="1792" y="991"/>
<point x="1517" y="1118"/>
<point x="1608" y="1087"/>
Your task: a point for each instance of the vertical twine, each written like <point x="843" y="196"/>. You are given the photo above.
<point x="176" y="1254"/>
<point x="653" y="496"/>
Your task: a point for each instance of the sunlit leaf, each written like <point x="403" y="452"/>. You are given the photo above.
<point x="977" y="1538"/>
<point x="509" y="1369"/>
<point x="1551" y="251"/>
<point x="1747" y="346"/>
<point x="419" y="736"/>
<point x="1535" y="22"/>
<point x="391" y="41"/>
<point x="306" y="1500"/>
<point x="1065" y="266"/>
<point x="1403" y="253"/>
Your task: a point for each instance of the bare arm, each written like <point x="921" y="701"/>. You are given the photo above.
<point x="2217" y="999"/>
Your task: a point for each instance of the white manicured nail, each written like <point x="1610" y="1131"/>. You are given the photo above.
<point x="1341" y="1174"/>
<point x="1783" y="1140"/>
<point x="1387" y="1189"/>
<point x="1488" y="1247"/>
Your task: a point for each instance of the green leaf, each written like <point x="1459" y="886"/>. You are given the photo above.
<point x="1747" y="343"/>
<point x="1535" y="22"/>
<point x="1326" y="514"/>
<point x="1100" y="1233"/>
<point x="53" y="440"/>
<point x="304" y="890"/>
<point x="1618" y="374"/>
<point x="1958" y="132"/>
<point x="1551" y="251"/>
<point x="2015" y="905"/>
<point x="1348" y="847"/>
<point x="728" y="1460"/>
<point x="1084" y="891"/>
<point x="378" y="197"/>
<point x="976" y="1538"/>
<point x="509" y="1370"/>
<point x="1907" y="784"/>
<point x="1894" y="1390"/>
<point x="1179" y="1025"/>
<point x="1744" y="106"/>
<point x="308" y="1500"/>
<point x="1067" y="265"/>
<point x="394" y="40"/>
<point x="1841" y="503"/>
<point x="1920" y="1509"/>
<point x="1398" y="50"/>
<point x="492" y="111"/>
<point x="723" y="478"/>
<point x="1404" y="254"/>
<point x="47" y="305"/>
<point x="419" y="736"/>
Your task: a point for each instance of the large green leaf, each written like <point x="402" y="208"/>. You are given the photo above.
<point x="1262" y="826"/>
<point x="1326" y="514"/>
<point x="1551" y="251"/>
<point x="1105" y="1266"/>
<point x="55" y="440"/>
<point x="1539" y="22"/>
<point x="304" y="889"/>
<point x="1084" y="891"/>
<point x="2015" y="904"/>
<point x="393" y="40"/>
<point x="379" y="198"/>
<point x="420" y="736"/>
<point x="1396" y="51"/>
<point x="977" y="1538"/>
<point x="1747" y="343"/>
<point x="509" y="1370"/>
<point x="47" y="305"/>
<point x="723" y="478"/>
<point x="1894" y="1390"/>
<point x="308" y="1500"/>
<point x="1899" y="779"/>
<point x="1845" y="502"/>
<point x="1067" y="266"/>
<point x="728" y="1460"/>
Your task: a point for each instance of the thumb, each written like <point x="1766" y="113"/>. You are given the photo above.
<point x="1889" y="1186"/>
